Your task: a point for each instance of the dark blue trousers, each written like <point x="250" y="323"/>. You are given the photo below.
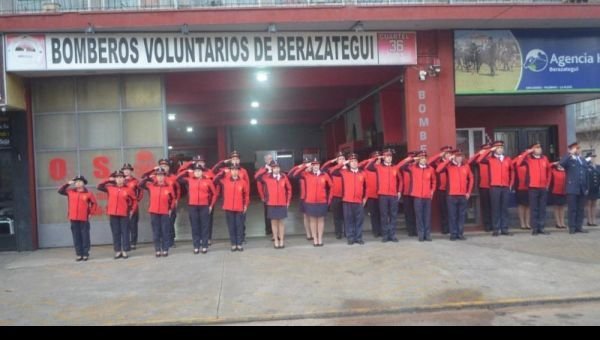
<point x="388" y="208"/>
<point x="499" y="199"/>
<point x="133" y="227"/>
<point x="441" y="196"/>
<point x="172" y="227"/>
<point x="200" y="222"/>
<point x="486" y="208"/>
<point x="423" y="217"/>
<point x="235" y="224"/>
<point x="537" y="205"/>
<point x="161" y="231"/>
<point x="409" y="215"/>
<point x="210" y="224"/>
<point x="373" y="207"/>
<point x="576" y="204"/>
<point x="81" y="237"/>
<point x="338" y="216"/>
<point x="354" y="217"/>
<point x="457" y="211"/>
<point x="119" y="226"/>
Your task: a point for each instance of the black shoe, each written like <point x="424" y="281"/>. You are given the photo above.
<point x="204" y="250"/>
<point x="240" y="248"/>
<point x="428" y="239"/>
<point x="85" y="258"/>
<point x="361" y="242"/>
<point x="534" y="233"/>
<point x="338" y="237"/>
<point x="495" y="234"/>
<point x="506" y="233"/>
<point x="572" y="232"/>
<point x="393" y="239"/>
<point x="165" y="254"/>
<point x="385" y="240"/>
<point x="462" y="238"/>
<point x="453" y="238"/>
<point x="350" y="243"/>
<point x="125" y="256"/>
<point x="544" y="232"/>
<point x="118" y="256"/>
<point x="421" y="239"/>
<point x="79" y="259"/>
<point x="233" y="249"/>
<point x="309" y="238"/>
<point x="157" y="254"/>
<point x="582" y="231"/>
<point x="315" y="245"/>
<point x="196" y="251"/>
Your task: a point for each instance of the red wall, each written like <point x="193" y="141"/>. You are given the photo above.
<point x="497" y="117"/>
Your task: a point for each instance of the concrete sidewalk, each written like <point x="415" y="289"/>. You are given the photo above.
<point x="47" y="287"/>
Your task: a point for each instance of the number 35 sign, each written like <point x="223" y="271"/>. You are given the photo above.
<point x="397" y="48"/>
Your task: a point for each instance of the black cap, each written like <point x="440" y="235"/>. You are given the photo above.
<point x="353" y="156"/>
<point x="274" y="164"/>
<point x="80" y="178"/>
<point x="535" y="145"/>
<point x="160" y="172"/>
<point x="198" y="158"/>
<point x="127" y="166"/>
<point x="388" y="151"/>
<point x="198" y="167"/>
<point x="446" y="148"/>
<point x="498" y="143"/>
<point x="164" y="161"/>
<point x="118" y="173"/>
<point x="234" y="154"/>
<point x="339" y="154"/>
<point x="375" y="154"/>
<point x="573" y="145"/>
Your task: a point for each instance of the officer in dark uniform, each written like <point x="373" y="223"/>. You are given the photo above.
<point x="577" y="186"/>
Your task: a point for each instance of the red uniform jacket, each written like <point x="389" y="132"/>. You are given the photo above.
<point x="460" y="178"/>
<point x="538" y="170"/>
<point x="422" y="181"/>
<point x="201" y="191"/>
<point x="133" y="184"/>
<point x="162" y="197"/>
<point x="501" y="174"/>
<point x="558" y="182"/>
<point x="296" y="174"/>
<point x="484" y="170"/>
<point x="521" y="179"/>
<point x="442" y="178"/>
<point x="276" y="193"/>
<point x="336" y="187"/>
<point x="121" y="200"/>
<point x="236" y="193"/>
<point x="81" y="204"/>
<point x="171" y="180"/>
<point x="405" y="174"/>
<point x="389" y="177"/>
<point x="354" y="184"/>
<point x="208" y="173"/>
<point x="371" y="179"/>
<point x="318" y="187"/>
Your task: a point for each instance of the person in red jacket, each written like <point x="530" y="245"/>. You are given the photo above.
<point x="318" y="193"/>
<point x="202" y="196"/>
<point x="132" y="183"/>
<point x="295" y="173"/>
<point x="408" y="202"/>
<point x="441" y="193"/>
<point x="277" y="196"/>
<point x="422" y="187"/>
<point x="224" y="165"/>
<point x="336" y="192"/>
<point x="538" y="172"/>
<point x="485" y="202"/>
<point x="236" y="198"/>
<point x="520" y="171"/>
<point x="354" y="197"/>
<point x="558" y="192"/>
<point x="81" y="204"/>
<point x="268" y="158"/>
<point x="459" y="186"/>
<point x="501" y="175"/>
<point x="122" y="202"/>
<point x="372" y="196"/>
<point x="162" y="205"/>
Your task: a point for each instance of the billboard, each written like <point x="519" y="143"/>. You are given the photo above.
<point x="166" y="51"/>
<point x="526" y="61"/>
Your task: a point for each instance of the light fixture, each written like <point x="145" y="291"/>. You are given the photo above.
<point x="358" y="27"/>
<point x="272" y="28"/>
<point x="170" y="147"/>
<point x="190" y="129"/>
<point x="262" y="76"/>
<point x="171" y="116"/>
<point x="90" y="29"/>
<point x="253" y="121"/>
<point x="185" y="29"/>
<point x="255" y="104"/>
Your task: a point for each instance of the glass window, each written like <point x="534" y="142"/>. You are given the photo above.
<point x="97" y="165"/>
<point x="54" y="95"/>
<point x="100" y="130"/>
<point x="143" y="92"/>
<point x="52" y="207"/>
<point x="98" y="93"/>
<point x="143" y="128"/>
<point x="56" y="131"/>
<point x="143" y="159"/>
<point x="55" y="168"/>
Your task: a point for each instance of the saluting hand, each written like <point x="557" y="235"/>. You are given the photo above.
<point x="399" y="196"/>
<point x="71" y="182"/>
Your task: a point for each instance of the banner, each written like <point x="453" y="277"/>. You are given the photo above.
<point x="526" y="61"/>
<point x="2" y="74"/>
<point x="148" y="51"/>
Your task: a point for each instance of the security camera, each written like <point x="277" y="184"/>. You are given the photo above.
<point x="422" y="75"/>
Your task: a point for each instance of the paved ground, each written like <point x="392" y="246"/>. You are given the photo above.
<point x="301" y="282"/>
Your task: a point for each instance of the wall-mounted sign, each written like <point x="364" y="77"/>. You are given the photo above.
<point x="147" y="51"/>
<point x="526" y="61"/>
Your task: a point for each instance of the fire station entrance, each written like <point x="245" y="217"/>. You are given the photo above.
<point x="278" y="111"/>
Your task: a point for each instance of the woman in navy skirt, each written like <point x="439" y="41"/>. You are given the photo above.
<point x="277" y="195"/>
<point x="318" y="197"/>
<point x="558" y="194"/>
<point x="295" y="173"/>
<point x="522" y="194"/>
